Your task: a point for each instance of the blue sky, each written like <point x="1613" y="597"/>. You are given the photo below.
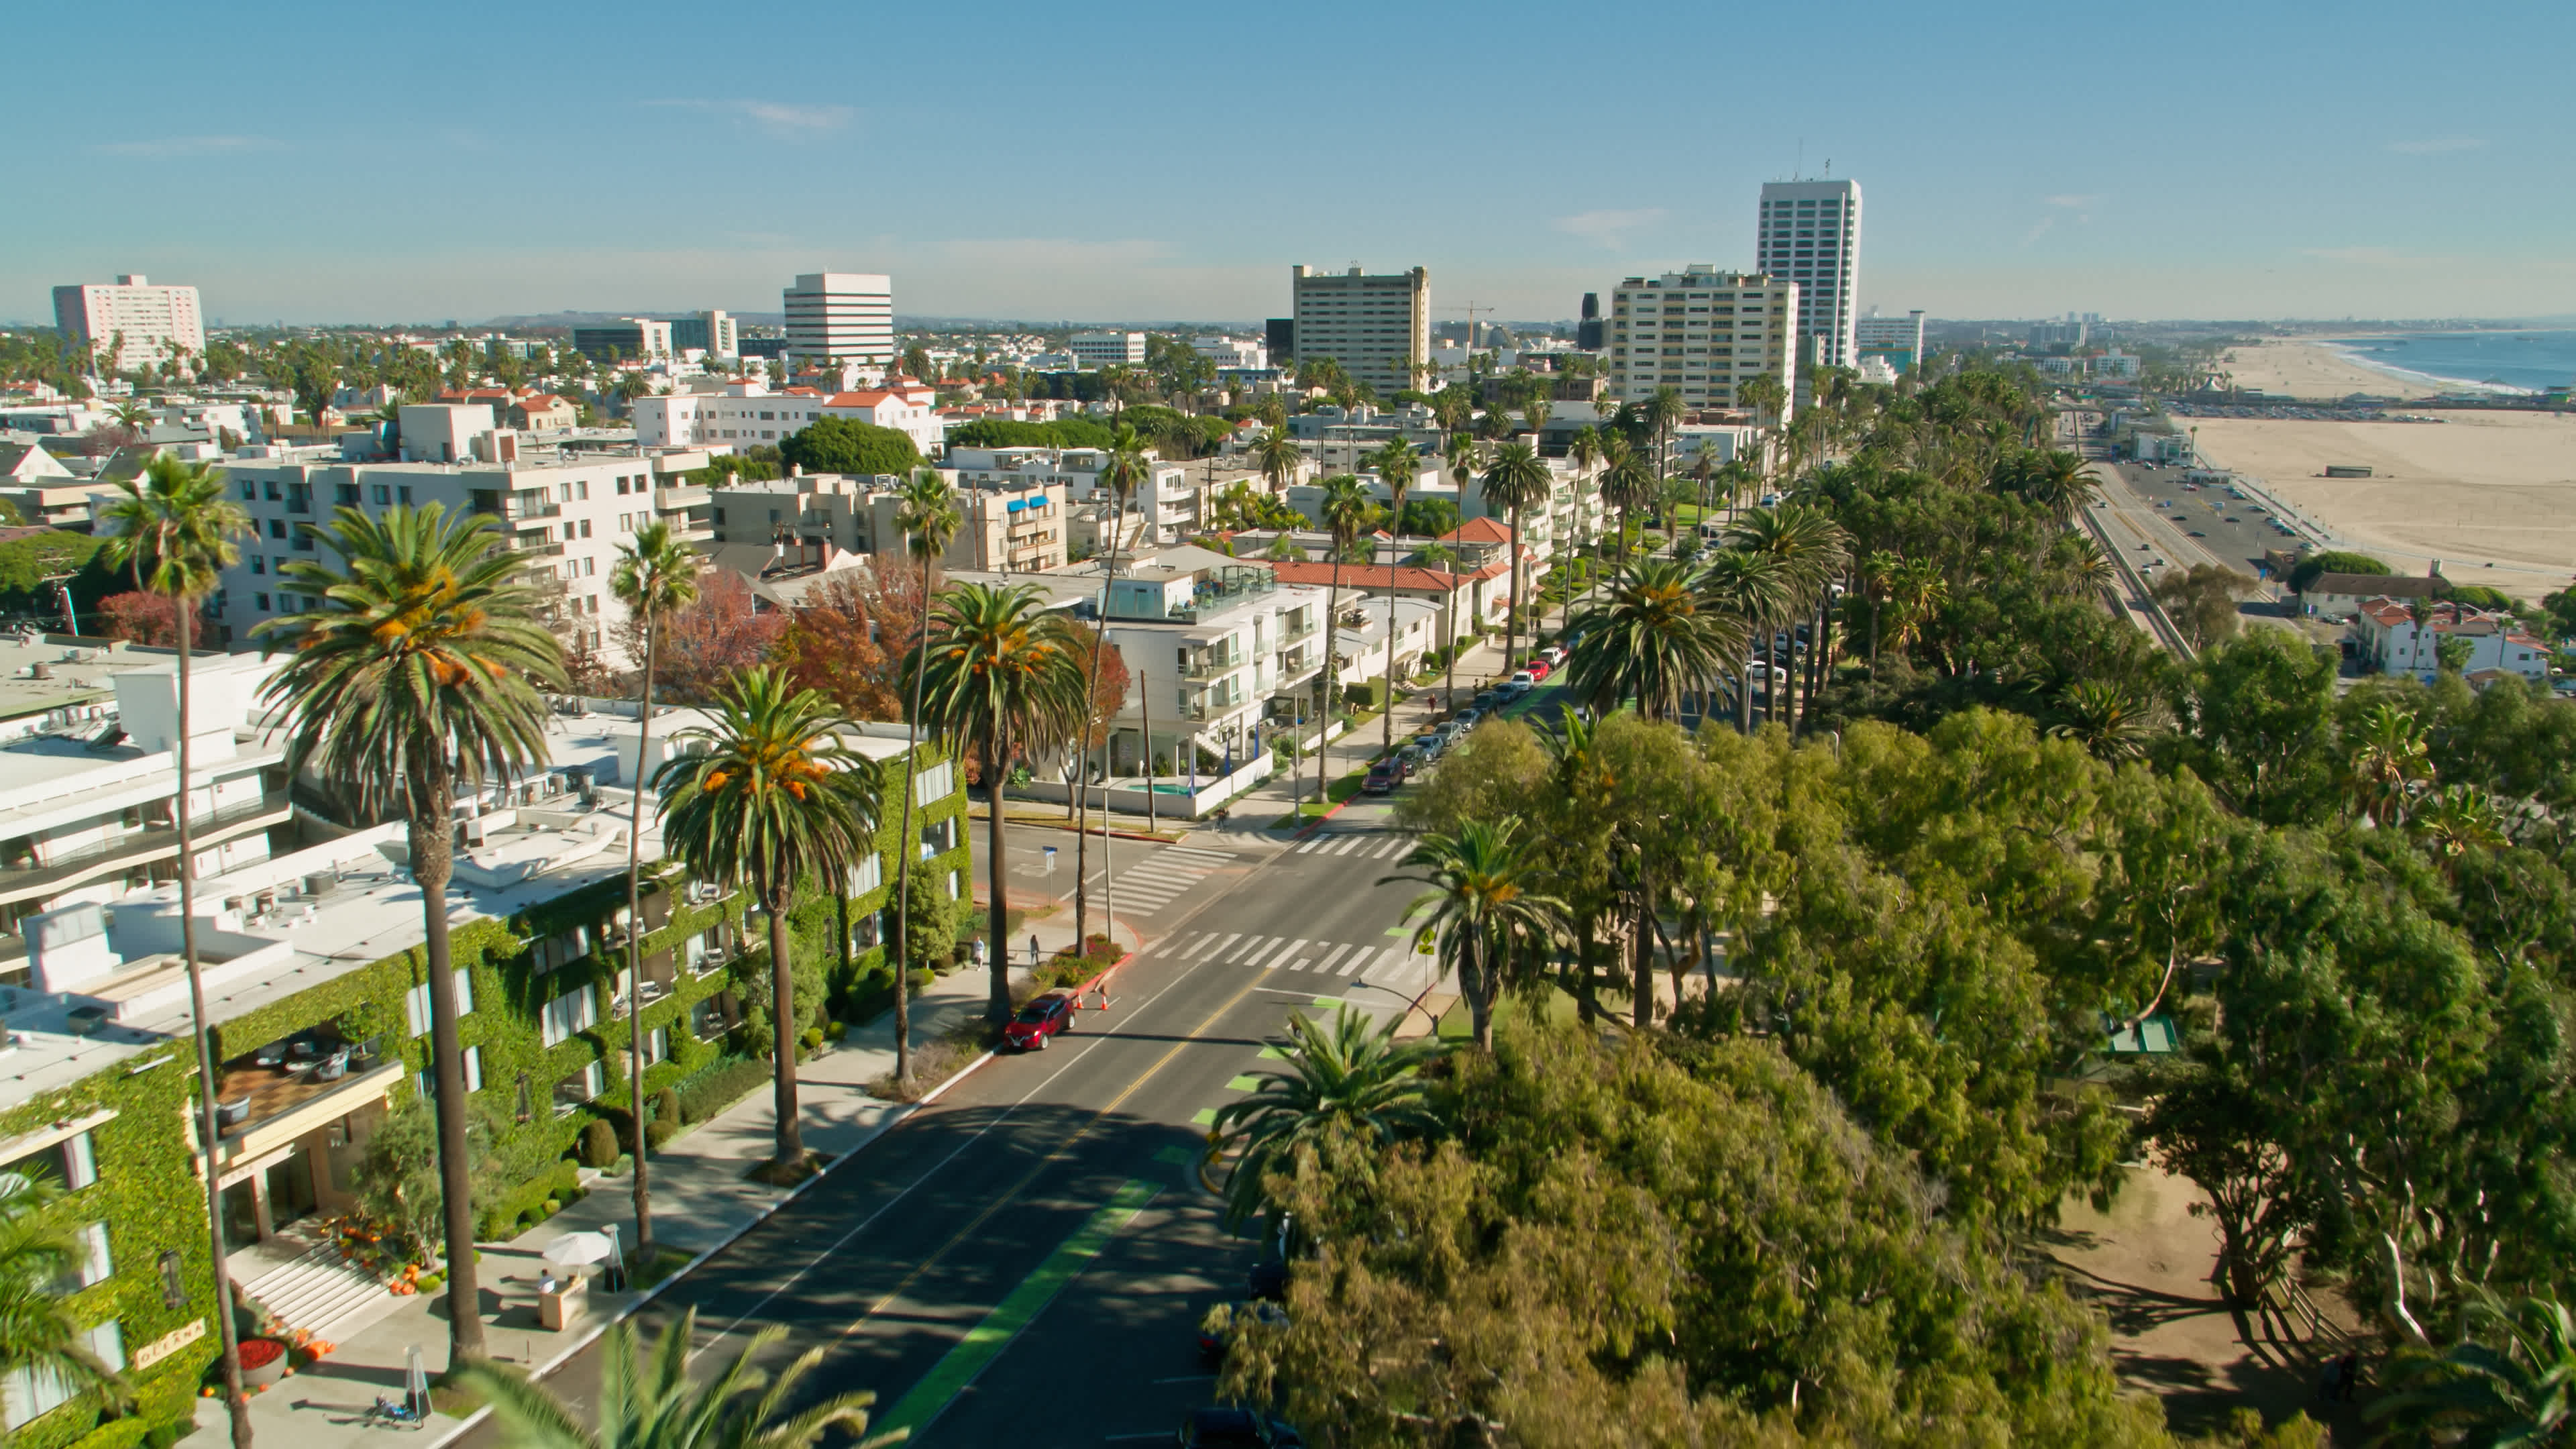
<point x="342" y="162"/>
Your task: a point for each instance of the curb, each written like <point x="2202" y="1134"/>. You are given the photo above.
<point x="896" y="1118"/>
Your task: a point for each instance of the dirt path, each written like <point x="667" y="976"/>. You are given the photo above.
<point x="2146" y="1263"/>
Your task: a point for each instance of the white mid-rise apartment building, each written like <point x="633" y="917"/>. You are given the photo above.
<point x="1377" y="327"/>
<point x="1108" y="349"/>
<point x="1703" y="333"/>
<point x="909" y="409"/>
<point x="565" y="514"/>
<point x="1166" y="509"/>
<point x="848" y="315"/>
<point x="1212" y="644"/>
<point x="152" y="321"/>
<point x="737" y="415"/>
<point x="1809" y="233"/>
<point x="1232" y="352"/>
<point x="1898" y="340"/>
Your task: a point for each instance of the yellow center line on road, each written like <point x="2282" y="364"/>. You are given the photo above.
<point x="1050" y="1160"/>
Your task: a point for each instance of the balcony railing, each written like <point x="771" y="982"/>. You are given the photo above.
<point x="535" y="510"/>
<point x="1209" y="667"/>
<point x="134" y="848"/>
<point x="1296" y="631"/>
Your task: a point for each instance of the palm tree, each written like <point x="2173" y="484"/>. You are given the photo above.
<point x="1353" y="1080"/>
<point x="1754" y="589"/>
<point x="1000" y="672"/>
<point x="2389" y="765"/>
<point x="651" y="1403"/>
<point x="1397" y="465"/>
<point x="1122" y="471"/>
<point x="1278" y="457"/>
<point x="656" y="576"/>
<point x="1765" y="396"/>
<point x="1585" y="448"/>
<point x="2110" y="720"/>
<point x="2059" y="484"/>
<point x="1346" y="510"/>
<point x="929" y="521"/>
<point x="1811" y="547"/>
<point x="1517" y="478"/>
<point x="419" y="672"/>
<point x="1917" y="589"/>
<point x="1663" y="413"/>
<point x="1483" y="908"/>
<point x="175" y="532"/>
<point x="1877" y="573"/>
<point x="1653" y="636"/>
<point x="38" y="1332"/>
<point x="773" y="798"/>
<point x="2458" y="821"/>
<point x="1627" y="484"/>
<point x="2522" y="1392"/>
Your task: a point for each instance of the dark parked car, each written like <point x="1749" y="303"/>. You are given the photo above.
<point x="1043" y="1017"/>
<point x="1236" y="1429"/>
<point x="1383" y="777"/>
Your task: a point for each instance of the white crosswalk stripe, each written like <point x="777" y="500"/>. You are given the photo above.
<point x="1212" y="950"/>
<point x="1354" y="843"/>
<point x="1329" y="958"/>
<point x="1213" y="857"/>
<point x="1392" y="847"/>
<point x="1291" y="955"/>
<point x="1311" y="844"/>
<point x="1267" y="945"/>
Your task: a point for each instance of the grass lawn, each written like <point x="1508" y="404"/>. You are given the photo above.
<point x="1457" y="1024"/>
<point x="1334" y="794"/>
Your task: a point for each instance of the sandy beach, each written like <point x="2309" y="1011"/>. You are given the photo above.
<point x="2477" y="489"/>
<point x="2311" y="373"/>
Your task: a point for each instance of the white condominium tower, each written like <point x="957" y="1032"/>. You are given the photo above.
<point x="1377" y="327"/>
<point x="1702" y="333"/>
<point x="848" y="315"/>
<point x="1810" y="234"/>
<point x="152" y="320"/>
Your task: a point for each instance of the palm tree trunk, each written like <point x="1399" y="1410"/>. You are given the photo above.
<point x="433" y="859"/>
<point x="997" y="872"/>
<point x="235" y="1400"/>
<point x="635" y="937"/>
<point x="905" y="848"/>
<point x="1641" y="975"/>
<point x="1587" y="997"/>
<point x="1512" y="618"/>
<point x="1091" y="697"/>
<point x="1331" y="678"/>
<point x="788" y="1152"/>
<point x="1386" y="720"/>
<point x="1476" y="979"/>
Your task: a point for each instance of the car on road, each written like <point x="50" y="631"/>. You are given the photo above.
<point x="1553" y="654"/>
<point x="1465" y="720"/>
<point x="1383" y="777"/>
<point x="1043" y="1017"/>
<point x="1432" y="743"/>
<point x="1487" y="701"/>
<point x="1414" y="759"/>
<point x="2196" y="533"/>
<point x="1521" y="682"/>
<point x="1216" y="1327"/>
<point x="1539" y="669"/>
<point x="1236" y="1429"/>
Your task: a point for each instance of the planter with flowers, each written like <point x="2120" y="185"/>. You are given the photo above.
<point x="263" y="1362"/>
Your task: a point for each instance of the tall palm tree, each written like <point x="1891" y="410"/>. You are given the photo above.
<point x="1483" y="909"/>
<point x="1755" y="590"/>
<point x="1516" y="479"/>
<point x="37" y="1329"/>
<point x="1444" y="558"/>
<point x="656" y="576"/>
<point x="773" y="798"/>
<point x="1627" y="484"/>
<point x="1877" y="575"/>
<point x="419" y="672"/>
<point x="1278" y="457"/>
<point x="1662" y="414"/>
<point x="1346" y="510"/>
<point x="1001" y="672"/>
<point x="1397" y="465"/>
<point x="652" y="1403"/>
<point x="929" y="520"/>
<point x="1653" y="636"/>
<point x="1766" y="397"/>
<point x="174" y="530"/>
<point x="1811" y="547"/>
<point x="2110" y="720"/>
<point x="2458" y="821"/>
<point x="1353" y="1077"/>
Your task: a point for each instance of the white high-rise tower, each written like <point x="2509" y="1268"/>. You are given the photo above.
<point x="848" y="315"/>
<point x="1810" y="234"/>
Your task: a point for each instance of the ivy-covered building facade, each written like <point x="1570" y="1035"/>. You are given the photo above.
<point x="316" y="987"/>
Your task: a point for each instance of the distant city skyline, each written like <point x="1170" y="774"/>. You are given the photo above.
<point x="2232" y="163"/>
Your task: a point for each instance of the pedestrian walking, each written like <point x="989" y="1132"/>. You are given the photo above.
<point x="1033" y="951"/>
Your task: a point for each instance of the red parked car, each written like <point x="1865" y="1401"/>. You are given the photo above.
<point x="1043" y="1017"/>
<point x="1539" y="669"/>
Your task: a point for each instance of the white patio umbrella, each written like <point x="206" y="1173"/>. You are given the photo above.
<point x="574" y="1249"/>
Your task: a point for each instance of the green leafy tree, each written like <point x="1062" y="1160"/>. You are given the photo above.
<point x="2304" y="574"/>
<point x="2514" y="1387"/>
<point x="845" y="445"/>
<point x="773" y="799"/>
<point x="417" y="672"/>
<point x="654" y="577"/>
<point x="1001" y="674"/>
<point x="174" y="530"/>
<point x="2202" y="601"/>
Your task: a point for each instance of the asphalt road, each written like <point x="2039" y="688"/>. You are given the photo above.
<point x="1026" y="1261"/>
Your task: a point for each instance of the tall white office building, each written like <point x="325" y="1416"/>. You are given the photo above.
<point x="1810" y="234"/>
<point x="151" y="319"/>
<point x="848" y="315"/>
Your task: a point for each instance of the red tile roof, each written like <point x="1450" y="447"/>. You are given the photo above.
<point x="1479" y="530"/>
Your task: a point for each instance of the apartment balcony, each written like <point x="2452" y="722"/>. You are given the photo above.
<point x="1307" y="629"/>
<point x="289" y="1089"/>
<point x="670" y="499"/>
<point x="519" y="511"/>
<point x="541" y="548"/>
<point x="1211" y="667"/>
<point x="61" y="871"/>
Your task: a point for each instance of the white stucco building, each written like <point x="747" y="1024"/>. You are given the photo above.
<point x="152" y="320"/>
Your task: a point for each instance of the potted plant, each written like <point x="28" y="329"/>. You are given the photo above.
<point x="263" y="1362"/>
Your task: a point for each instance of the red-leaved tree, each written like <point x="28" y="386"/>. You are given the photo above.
<point x="722" y="633"/>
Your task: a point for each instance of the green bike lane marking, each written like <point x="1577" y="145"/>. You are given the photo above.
<point x="985" y="1342"/>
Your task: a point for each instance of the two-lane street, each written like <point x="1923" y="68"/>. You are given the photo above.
<point x="1040" y="1237"/>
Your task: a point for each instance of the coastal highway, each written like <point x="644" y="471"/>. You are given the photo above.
<point x="1026" y="1260"/>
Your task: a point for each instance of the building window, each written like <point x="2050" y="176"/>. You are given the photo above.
<point x="579" y="1089"/>
<point x="258" y="564"/>
<point x="403" y="494"/>
<point x="263" y="602"/>
<point x="94" y="1263"/>
<point x="934" y="783"/>
<point x="384" y="495"/>
<point x="574" y="1011"/>
<point x="31" y="1393"/>
<point x="427" y="1080"/>
<point x="867" y="875"/>
<point x="416" y="1002"/>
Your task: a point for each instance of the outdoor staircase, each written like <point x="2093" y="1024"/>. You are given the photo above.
<point x="316" y="1291"/>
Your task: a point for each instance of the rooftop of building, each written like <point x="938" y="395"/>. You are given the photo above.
<point x="2390" y="586"/>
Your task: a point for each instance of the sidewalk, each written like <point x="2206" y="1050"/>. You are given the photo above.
<point x="701" y="1202"/>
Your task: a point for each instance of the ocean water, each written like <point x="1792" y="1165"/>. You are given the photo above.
<point x="2518" y="361"/>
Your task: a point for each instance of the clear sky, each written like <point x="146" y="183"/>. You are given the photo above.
<point x="354" y="162"/>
